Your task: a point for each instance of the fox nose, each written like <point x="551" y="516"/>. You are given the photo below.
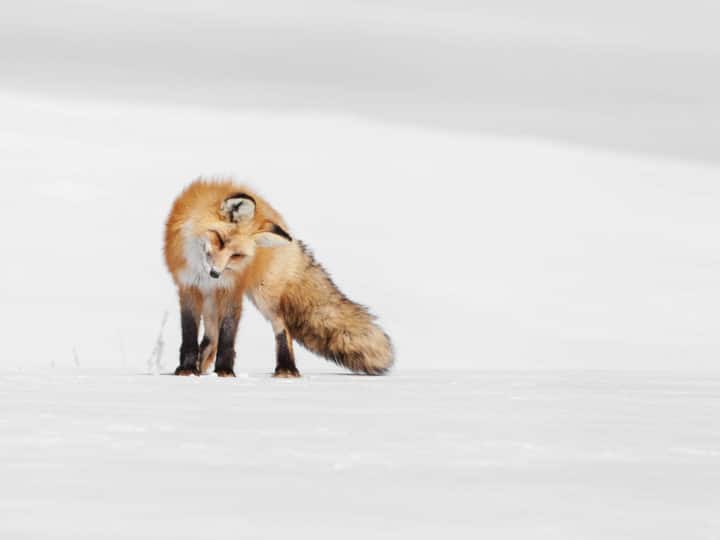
<point x="214" y="273"/>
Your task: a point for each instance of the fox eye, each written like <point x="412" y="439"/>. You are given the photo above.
<point x="219" y="239"/>
<point x="237" y="256"/>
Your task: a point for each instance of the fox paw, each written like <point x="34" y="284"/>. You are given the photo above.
<point x="225" y="372"/>
<point x="185" y="371"/>
<point x="286" y="373"/>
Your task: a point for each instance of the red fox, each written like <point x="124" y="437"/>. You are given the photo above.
<point x="222" y="242"/>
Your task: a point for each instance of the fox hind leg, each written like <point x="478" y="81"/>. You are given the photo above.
<point x="208" y="349"/>
<point x="209" y="344"/>
<point x="285" y="357"/>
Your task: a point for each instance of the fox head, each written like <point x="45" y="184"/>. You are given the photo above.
<point x="227" y="244"/>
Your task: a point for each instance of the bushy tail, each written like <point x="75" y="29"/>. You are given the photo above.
<point x="323" y="320"/>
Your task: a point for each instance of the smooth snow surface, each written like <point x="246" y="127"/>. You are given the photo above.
<point x="554" y="455"/>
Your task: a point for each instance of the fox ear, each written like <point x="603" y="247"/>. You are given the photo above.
<point x="276" y="236"/>
<point x="238" y="207"/>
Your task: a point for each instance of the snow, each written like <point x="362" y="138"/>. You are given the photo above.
<point x="118" y="454"/>
<point x="525" y="193"/>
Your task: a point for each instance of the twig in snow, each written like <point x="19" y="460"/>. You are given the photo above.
<point x="155" y="359"/>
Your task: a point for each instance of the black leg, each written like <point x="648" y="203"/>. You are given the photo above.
<point x="285" y="359"/>
<point x="189" y="349"/>
<point x="225" y="359"/>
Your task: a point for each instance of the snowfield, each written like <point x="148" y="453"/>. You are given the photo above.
<point x="526" y="194"/>
<point x="549" y="257"/>
<point x="88" y="455"/>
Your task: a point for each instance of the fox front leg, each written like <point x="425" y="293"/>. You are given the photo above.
<point x="190" y="321"/>
<point x="225" y="360"/>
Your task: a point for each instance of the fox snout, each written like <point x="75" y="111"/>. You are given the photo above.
<point x="211" y="267"/>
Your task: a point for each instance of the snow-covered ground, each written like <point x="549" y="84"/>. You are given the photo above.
<point x="118" y="454"/>
<point x="526" y="193"/>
